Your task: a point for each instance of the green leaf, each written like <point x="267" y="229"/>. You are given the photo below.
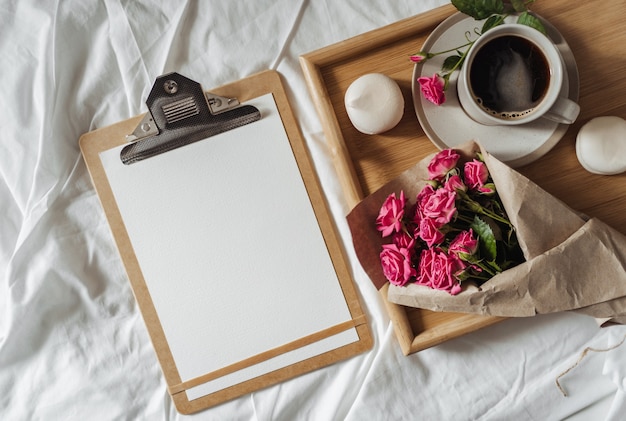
<point x="486" y="239"/>
<point x="479" y="9"/>
<point x="508" y="264"/>
<point x="519" y="5"/>
<point x="495" y="266"/>
<point x="451" y="62"/>
<point x="533" y="21"/>
<point x="492" y="22"/>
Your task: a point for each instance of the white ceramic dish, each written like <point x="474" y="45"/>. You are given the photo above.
<point x="448" y="126"/>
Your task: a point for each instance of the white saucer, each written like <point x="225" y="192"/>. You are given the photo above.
<point x="448" y="126"/>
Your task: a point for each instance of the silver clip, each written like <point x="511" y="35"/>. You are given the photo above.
<point x="146" y="128"/>
<point x="219" y="104"/>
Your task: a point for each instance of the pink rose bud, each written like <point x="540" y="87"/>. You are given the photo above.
<point x="456" y="288"/>
<point x="487" y="189"/>
<point x="421" y="56"/>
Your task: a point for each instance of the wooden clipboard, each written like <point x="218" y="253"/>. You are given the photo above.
<point x="97" y="144"/>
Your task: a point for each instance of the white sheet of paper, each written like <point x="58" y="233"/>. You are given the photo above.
<point x="230" y="250"/>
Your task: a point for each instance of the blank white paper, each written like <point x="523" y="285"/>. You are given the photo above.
<point x="230" y="250"/>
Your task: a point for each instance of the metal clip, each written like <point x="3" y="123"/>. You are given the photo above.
<point x="147" y="126"/>
<point x="219" y="104"/>
<point x="180" y="112"/>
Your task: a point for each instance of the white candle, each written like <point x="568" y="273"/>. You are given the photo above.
<point x="601" y="145"/>
<point x="374" y="103"/>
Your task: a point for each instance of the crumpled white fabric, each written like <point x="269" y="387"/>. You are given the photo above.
<point x="72" y="343"/>
<point x="615" y="369"/>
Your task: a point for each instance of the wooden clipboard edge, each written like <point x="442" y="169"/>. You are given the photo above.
<point x="90" y="145"/>
<point x="186" y="406"/>
<point x="252" y="87"/>
<point x="267" y="355"/>
<point x="312" y="64"/>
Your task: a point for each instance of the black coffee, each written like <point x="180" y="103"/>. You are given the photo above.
<point x="509" y="77"/>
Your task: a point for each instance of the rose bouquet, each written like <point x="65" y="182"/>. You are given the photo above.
<point x="431" y="259"/>
<point x="456" y="230"/>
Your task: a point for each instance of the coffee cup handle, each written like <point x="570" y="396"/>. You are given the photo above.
<point x="563" y="111"/>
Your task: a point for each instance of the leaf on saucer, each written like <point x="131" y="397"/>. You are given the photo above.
<point x="451" y="62"/>
<point x="519" y="5"/>
<point x="528" y="19"/>
<point x="492" y="22"/>
<point x="479" y="9"/>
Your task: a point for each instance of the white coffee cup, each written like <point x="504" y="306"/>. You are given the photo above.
<point x="500" y="82"/>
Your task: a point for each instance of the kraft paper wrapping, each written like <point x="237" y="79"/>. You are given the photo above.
<point x="572" y="263"/>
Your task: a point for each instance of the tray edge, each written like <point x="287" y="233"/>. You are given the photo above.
<point x="312" y="64"/>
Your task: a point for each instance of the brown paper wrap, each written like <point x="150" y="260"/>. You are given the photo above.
<point x="572" y="262"/>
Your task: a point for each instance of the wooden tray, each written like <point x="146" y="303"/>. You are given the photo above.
<point x="366" y="162"/>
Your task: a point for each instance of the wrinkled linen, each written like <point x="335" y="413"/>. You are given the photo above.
<point x="72" y="343"/>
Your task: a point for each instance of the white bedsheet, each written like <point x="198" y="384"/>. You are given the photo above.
<point x="72" y="343"/>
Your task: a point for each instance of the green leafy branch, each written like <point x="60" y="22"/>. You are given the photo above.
<point x="495" y="11"/>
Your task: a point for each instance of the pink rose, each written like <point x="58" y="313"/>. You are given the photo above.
<point x="396" y="263"/>
<point x="442" y="163"/>
<point x="475" y="173"/>
<point x="424" y="194"/>
<point x="445" y="269"/>
<point x="417" y="220"/>
<point x="424" y="268"/>
<point x="440" y="207"/>
<point x="465" y="243"/>
<point x="390" y="215"/>
<point x="420" y="201"/>
<point x="436" y="270"/>
<point x="433" y="88"/>
<point x="455" y="183"/>
<point x="429" y="232"/>
<point x="403" y="241"/>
